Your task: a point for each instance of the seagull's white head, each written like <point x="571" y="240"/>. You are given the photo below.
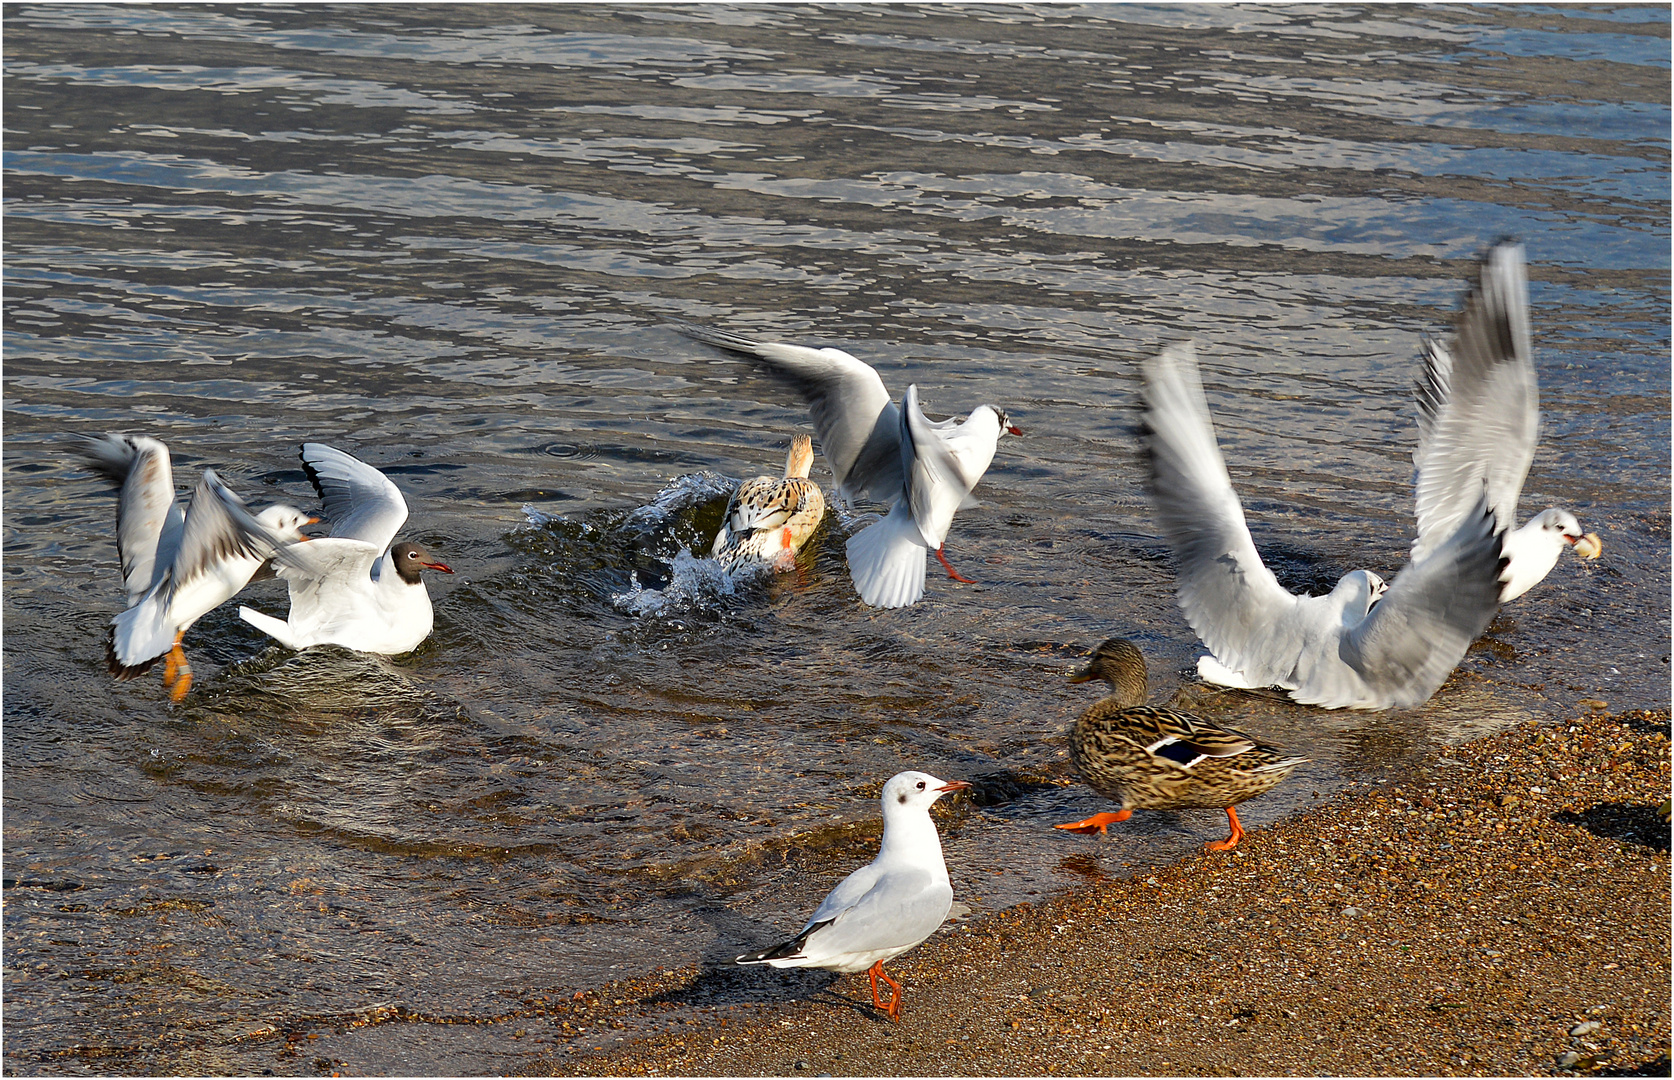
<point x="287" y="521"/>
<point x="1562" y="527"/>
<point x="915" y="790"/>
<point x="1006" y="426"/>
<point x="1358" y="590"/>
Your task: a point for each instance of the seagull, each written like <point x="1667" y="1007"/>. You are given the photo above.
<point x="353" y="588"/>
<point x="923" y="470"/>
<point x="1478" y="419"/>
<point x="1338" y="651"/>
<point x="177" y="566"/>
<point x="769" y="519"/>
<point x="887" y="906"/>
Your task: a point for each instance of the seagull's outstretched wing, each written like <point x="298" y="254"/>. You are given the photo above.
<point x="1478" y="407"/>
<point x="857" y="423"/>
<point x="148" y="519"/>
<point x="361" y="503"/>
<point x="218" y="529"/>
<point x="1415" y="636"/>
<point x="941" y="468"/>
<point x="1229" y="597"/>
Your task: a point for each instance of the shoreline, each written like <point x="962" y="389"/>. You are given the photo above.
<point x="1473" y="918"/>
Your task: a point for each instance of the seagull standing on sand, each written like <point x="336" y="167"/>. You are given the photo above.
<point x="887" y="906"/>
<point x="769" y="519"/>
<point x="177" y="567"/>
<point x="1337" y="651"/>
<point x="923" y="470"/>
<point x="1478" y="421"/>
<point x="353" y="588"/>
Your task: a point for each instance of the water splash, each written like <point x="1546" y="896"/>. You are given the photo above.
<point x="694" y="585"/>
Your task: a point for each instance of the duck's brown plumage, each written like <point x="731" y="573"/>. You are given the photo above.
<point x="1145" y="757"/>
<point x="769" y="519"/>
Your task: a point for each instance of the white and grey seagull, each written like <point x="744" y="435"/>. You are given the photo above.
<point x="923" y="470"/>
<point x="356" y="587"/>
<point x="177" y="566"/>
<point x="1478" y="422"/>
<point x="1364" y="645"/>
<point x="887" y="906"/>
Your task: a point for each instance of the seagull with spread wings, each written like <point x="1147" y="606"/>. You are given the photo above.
<point x="923" y="470"/>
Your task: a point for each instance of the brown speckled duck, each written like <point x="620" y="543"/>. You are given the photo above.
<point x="769" y="519"/>
<point x="1151" y="758"/>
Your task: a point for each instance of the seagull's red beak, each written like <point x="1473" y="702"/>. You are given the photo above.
<point x="954" y="785"/>
<point x="442" y="566"/>
<point x="1013" y="429"/>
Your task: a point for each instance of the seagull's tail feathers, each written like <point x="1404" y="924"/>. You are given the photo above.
<point x="1211" y="670"/>
<point x="888" y="560"/>
<point x="139" y="637"/>
<point x="787" y="953"/>
<point x="277" y="629"/>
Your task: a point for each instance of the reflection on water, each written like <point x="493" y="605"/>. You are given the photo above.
<point x="452" y="239"/>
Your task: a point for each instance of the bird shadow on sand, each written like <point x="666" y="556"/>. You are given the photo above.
<point x="1635" y="823"/>
<point x="731" y="984"/>
<point x="720" y="981"/>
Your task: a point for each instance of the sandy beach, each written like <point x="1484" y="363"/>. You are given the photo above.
<point x="1502" y="910"/>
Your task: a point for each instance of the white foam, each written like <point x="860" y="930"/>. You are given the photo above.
<point x="693" y="584"/>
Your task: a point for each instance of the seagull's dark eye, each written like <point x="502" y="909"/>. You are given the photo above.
<point x="921" y="785"/>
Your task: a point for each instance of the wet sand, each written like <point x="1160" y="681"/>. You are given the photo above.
<point x="1502" y="910"/>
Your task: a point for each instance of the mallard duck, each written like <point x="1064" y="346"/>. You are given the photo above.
<point x="769" y="518"/>
<point x="1150" y="758"/>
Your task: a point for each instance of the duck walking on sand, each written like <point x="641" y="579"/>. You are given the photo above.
<point x="770" y="518"/>
<point x="1151" y="758"/>
<point x="887" y="906"/>
<point x="923" y="470"/>
<point x="1478" y="423"/>
<point x="354" y="588"/>
<point x="1365" y="645"/>
<point x="177" y="566"/>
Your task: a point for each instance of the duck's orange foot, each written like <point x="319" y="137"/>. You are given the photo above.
<point x="1231" y="841"/>
<point x="1096" y="823"/>
<point x="951" y="572"/>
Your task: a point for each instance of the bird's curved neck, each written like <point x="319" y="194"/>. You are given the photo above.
<point x="912" y="838"/>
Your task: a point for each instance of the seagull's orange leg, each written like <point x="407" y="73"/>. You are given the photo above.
<point x="1096" y="823"/>
<point x="171" y="664"/>
<point x="891" y="1008"/>
<point x="182" y="670"/>
<point x="1232" y="841"/>
<point x="951" y="572"/>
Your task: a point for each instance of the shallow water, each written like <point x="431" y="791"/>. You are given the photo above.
<point x="452" y="239"/>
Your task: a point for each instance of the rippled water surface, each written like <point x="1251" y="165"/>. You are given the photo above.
<point x="452" y="240"/>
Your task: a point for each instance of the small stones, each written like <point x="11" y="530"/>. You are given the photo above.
<point x="1567" y="1059"/>
<point x="801" y="1065"/>
<point x="1586" y="1027"/>
<point x="1351" y="912"/>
